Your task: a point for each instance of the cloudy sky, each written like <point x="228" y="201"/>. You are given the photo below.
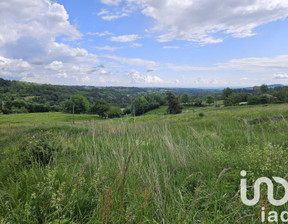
<point x="172" y="43"/>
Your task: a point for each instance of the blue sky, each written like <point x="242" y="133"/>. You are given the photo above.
<point x="153" y="43"/>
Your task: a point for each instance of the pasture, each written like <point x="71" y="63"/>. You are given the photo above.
<point x="154" y="168"/>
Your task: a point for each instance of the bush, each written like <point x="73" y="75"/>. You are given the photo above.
<point x="39" y="148"/>
<point x="16" y="110"/>
<point x="139" y="106"/>
<point x="201" y="114"/>
<point x="100" y="107"/>
<point x="173" y="103"/>
<point x="253" y="100"/>
<point x="114" y="111"/>
<point x="127" y="110"/>
<point x="81" y="105"/>
<point x="210" y="99"/>
<point x="185" y="98"/>
<point x="197" y="102"/>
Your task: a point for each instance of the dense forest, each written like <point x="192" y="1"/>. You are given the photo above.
<point x="18" y="96"/>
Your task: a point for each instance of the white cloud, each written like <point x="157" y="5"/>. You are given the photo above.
<point x="136" y="45"/>
<point x="280" y="76"/>
<point x="55" y="65"/>
<point x="107" y="48"/>
<point x="109" y="16"/>
<point x="138" y="78"/>
<point x="125" y="38"/>
<point x="12" y="67"/>
<point x="278" y="63"/>
<point x="86" y="80"/>
<point x="62" y="75"/>
<point x="28" y="46"/>
<point x="170" y="47"/>
<point x="40" y="19"/>
<point x="111" y="2"/>
<point x="198" y="21"/>
<point x="180" y="68"/>
<point x="257" y="64"/>
<point x="132" y="61"/>
<point x="100" y="34"/>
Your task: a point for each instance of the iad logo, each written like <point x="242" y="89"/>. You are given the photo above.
<point x="272" y="215"/>
<point x="270" y="195"/>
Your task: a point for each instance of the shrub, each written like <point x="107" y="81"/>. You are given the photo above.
<point x="39" y="148"/>
<point x="81" y="105"/>
<point x="173" y="103"/>
<point x="201" y="114"/>
<point x="139" y="106"/>
<point x="114" y="111"/>
<point x="127" y="110"/>
<point x="100" y="107"/>
<point x="185" y="98"/>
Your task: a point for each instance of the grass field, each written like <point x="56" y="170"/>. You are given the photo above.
<point x="42" y="118"/>
<point x="155" y="168"/>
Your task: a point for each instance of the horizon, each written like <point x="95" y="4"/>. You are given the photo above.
<point x="144" y="43"/>
<point x="157" y="87"/>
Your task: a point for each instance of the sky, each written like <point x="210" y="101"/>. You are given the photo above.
<point x="145" y="43"/>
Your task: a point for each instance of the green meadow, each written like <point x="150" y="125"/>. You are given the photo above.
<point x="155" y="168"/>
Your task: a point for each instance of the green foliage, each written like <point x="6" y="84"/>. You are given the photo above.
<point x="210" y="99"/>
<point x="201" y="114"/>
<point x="264" y="88"/>
<point x="146" y="103"/>
<point x="114" y="111"/>
<point x="39" y="148"/>
<point x="173" y="103"/>
<point x="100" y="107"/>
<point x="253" y="100"/>
<point x="198" y="102"/>
<point x="127" y="110"/>
<point x="139" y="106"/>
<point x="22" y="106"/>
<point x="81" y="105"/>
<point x="53" y="96"/>
<point x="236" y="98"/>
<point x="185" y="98"/>
<point x="226" y="92"/>
<point x="156" y="98"/>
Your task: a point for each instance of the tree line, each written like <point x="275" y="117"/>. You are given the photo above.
<point x="23" y="97"/>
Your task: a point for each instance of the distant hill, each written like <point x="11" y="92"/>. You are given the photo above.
<point x="275" y="85"/>
<point x="270" y="86"/>
<point x="54" y="95"/>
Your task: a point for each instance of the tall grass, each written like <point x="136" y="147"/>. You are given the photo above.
<point x="152" y="169"/>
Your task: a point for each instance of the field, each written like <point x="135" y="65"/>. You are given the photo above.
<point x="155" y="168"/>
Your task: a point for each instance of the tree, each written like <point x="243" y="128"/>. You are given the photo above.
<point x="198" y="102"/>
<point x="139" y="106"/>
<point x="235" y="99"/>
<point x="81" y="105"/>
<point x="114" y="111"/>
<point x="185" y="98"/>
<point x="226" y="92"/>
<point x="264" y="88"/>
<point x="210" y="99"/>
<point x="256" y="89"/>
<point x="100" y="107"/>
<point x="155" y="96"/>
<point x="173" y="103"/>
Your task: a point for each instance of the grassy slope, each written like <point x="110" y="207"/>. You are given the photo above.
<point x="41" y="118"/>
<point x="154" y="168"/>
